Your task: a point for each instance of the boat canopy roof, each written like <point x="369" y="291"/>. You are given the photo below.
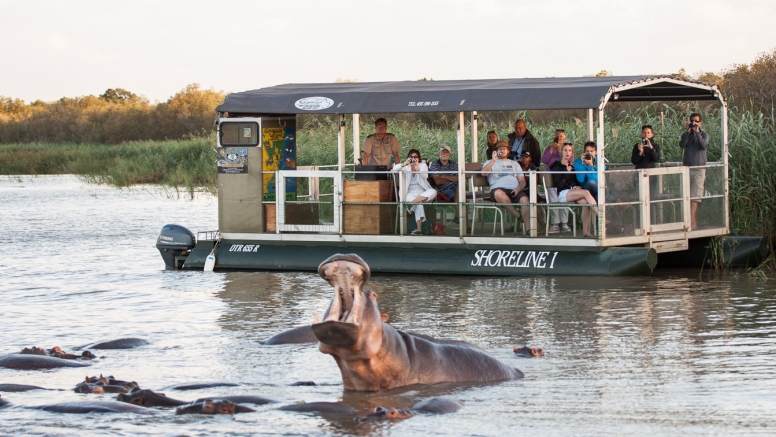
<point x="464" y="95"/>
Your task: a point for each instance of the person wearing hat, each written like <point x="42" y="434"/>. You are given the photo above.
<point x="444" y="173"/>
<point x="506" y="181"/>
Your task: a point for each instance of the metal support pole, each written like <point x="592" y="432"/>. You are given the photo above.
<point x="356" y="138"/>
<point x="725" y="162"/>
<point x="461" y="176"/>
<point x="341" y="163"/>
<point x="590" y="133"/>
<point x="475" y="140"/>
<point x="601" y="163"/>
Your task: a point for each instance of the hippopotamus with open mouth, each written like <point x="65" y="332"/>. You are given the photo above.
<point x="372" y="355"/>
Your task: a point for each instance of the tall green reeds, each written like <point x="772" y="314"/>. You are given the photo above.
<point x="181" y="164"/>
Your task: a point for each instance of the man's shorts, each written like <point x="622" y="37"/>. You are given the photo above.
<point x="450" y="191"/>
<point x="697" y="179"/>
<point x="515" y="199"/>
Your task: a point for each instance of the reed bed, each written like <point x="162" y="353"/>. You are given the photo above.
<point x="180" y="164"/>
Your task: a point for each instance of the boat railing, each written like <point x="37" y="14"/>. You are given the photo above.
<point x="637" y="206"/>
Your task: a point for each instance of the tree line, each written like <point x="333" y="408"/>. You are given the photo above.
<point x="114" y="117"/>
<point x="119" y="116"/>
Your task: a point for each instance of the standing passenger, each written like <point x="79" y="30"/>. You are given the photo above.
<point x="695" y="142"/>
<point x="646" y="153"/>
<point x="379" y="147"/>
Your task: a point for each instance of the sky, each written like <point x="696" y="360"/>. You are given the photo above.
<point x="54" y="49"/>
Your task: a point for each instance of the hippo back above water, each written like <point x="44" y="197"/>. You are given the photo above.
<point x="372" y="355"/>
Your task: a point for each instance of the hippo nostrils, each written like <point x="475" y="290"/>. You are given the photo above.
<point x="372" y="355"/>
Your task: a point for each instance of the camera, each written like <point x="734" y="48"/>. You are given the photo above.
<point x="644" y="141"/>
<point x="413" y="160"/>
<point x="693" y="123"/>
<point x="587" y="156"/>
<point x="556" y="139"/>
<point x="499" y="154"/>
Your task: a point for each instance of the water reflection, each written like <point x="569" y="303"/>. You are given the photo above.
<point x="677" y="353"/>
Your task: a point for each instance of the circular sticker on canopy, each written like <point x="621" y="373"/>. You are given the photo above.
<point x="314" y="103"/>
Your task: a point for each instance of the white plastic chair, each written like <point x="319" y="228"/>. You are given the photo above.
<point x="477" y="184"/>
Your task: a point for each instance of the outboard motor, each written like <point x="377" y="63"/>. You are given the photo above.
<point x="175" y="243"/>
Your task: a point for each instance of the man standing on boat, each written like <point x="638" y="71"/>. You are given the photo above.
<point x="447" y="181"/>
<point x="520" y="140"/>
<point x="695" y="142"/>
<point x="379" y="147"/>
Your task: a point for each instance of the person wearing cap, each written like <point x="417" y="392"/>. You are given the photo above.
<point x="506" y="181"/>
<point x="379" y="147"/>
<point x="446" y="180"/>
<point x="521" y="139"/>
<point x="526" y="163"/>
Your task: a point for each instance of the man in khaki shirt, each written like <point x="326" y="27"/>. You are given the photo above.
<point x="380" y="146"/>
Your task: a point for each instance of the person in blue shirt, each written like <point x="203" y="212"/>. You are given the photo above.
<point x="588" y="162"/>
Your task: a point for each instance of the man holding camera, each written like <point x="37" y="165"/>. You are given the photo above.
<point x="506" y="181"/>
<point x="588" y="162"/>
<point x="646" y="153"/>
<point x="695" y="142"/>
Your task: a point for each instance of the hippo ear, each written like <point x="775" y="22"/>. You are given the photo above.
<point x="384" y="317"/>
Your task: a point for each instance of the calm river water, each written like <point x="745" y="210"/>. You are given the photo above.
<point x="668" y="355"/>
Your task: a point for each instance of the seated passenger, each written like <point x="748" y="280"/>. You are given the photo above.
<point x="446" y="182"/>
<point x="491" y="143"/>
<point x="526" y="164"/>
<point x="506" y="181"/>
<point x="552" y="152"/>
<point x="415" y="188"/>
<point x="569" y="190"/>
<point x="588" y="162"/>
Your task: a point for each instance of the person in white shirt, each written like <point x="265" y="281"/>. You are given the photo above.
<point x="416" y="188"/>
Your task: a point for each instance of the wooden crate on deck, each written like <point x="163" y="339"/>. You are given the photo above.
<point x="369" y="219"/>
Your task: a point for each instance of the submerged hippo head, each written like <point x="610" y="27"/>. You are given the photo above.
<point x="383" y="413"/>
<point x="528" y="352"/>
<point x="34" y="351"/>
<point x="352" y="322"/>
<point x="148" y="398"/>
<point x="212" y="406"/>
